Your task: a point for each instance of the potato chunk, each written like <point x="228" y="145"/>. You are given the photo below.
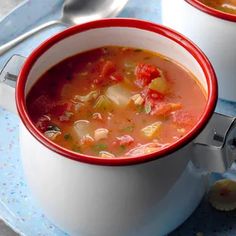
<point x="119" y="94"/>
<point x="100" y="134"/>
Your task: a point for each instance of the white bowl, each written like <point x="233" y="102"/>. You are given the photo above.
<point x="213" y="31"/>
<point x="92" y="196"/>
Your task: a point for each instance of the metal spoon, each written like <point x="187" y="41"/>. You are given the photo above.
<point x="74" y="12"/>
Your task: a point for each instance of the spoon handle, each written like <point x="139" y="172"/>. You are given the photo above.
<point x="5" y="47"/>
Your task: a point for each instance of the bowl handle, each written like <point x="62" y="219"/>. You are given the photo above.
<point x="8" y="78"/>
<point x="215" y="148"/>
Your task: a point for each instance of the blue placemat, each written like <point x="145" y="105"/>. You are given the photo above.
<point x="17" y="208"/>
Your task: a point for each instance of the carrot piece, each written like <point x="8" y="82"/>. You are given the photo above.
<point x="164" y="109"/>
<point x="183" y="118"/>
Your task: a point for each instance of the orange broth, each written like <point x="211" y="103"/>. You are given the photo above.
<point x="115" y="101"/>
<point x="228" y="6"/>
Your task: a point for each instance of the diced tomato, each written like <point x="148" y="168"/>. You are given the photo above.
<point x="98" y="80"/>
<point x="41" y="105"/>
<point x="60" y="109"/>
<point x="145" y="73"/>
<point x="107" y="69"/>
<point x="161" y="109"/>
<point x="183" y="118"/>
<point x="125" y="140"/>
<point x="152" y="97"/>
<point x="43" y="123"/>
<point x="117" y="77"/>
<point x="96" y="68"/>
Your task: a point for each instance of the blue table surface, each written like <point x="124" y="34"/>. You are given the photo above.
<point x="17" y="207"/>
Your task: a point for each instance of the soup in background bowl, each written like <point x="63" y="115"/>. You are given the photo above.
<point x="228" y="6"/>
<point x="116" y="101"/>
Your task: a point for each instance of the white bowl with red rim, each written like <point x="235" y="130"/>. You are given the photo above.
<point x="84" y="195"/>
<point x="213" y="31"/>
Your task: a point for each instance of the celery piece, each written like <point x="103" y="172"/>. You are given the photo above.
<point x="159" y="84"/>
<point x="103" y="103"/>
<point x="119" y="94"/>
<point x="151" y="130"/>
<point x="137" y="99"/>
<point x="147" y="107"/>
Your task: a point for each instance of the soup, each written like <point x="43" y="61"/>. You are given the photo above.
<point x="228" y="6"/>
<point x="116" y="101"/>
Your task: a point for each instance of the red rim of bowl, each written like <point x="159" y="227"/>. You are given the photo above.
<point x="118" y="22"/>
<point x="212" y="11"/>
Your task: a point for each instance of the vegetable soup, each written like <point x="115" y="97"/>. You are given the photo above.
<point x="116" y="101"/>
<point x="228" y="6"/>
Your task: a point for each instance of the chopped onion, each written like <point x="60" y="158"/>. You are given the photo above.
<point x="51" y="134"/>
<point x="82" y="128"/>
<point x="97" y="116"/>
<point x="103" y="103"/>
<point x="100" y="134"/>
<point x="106" y="154"/>
<point x="86" y="140"/>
